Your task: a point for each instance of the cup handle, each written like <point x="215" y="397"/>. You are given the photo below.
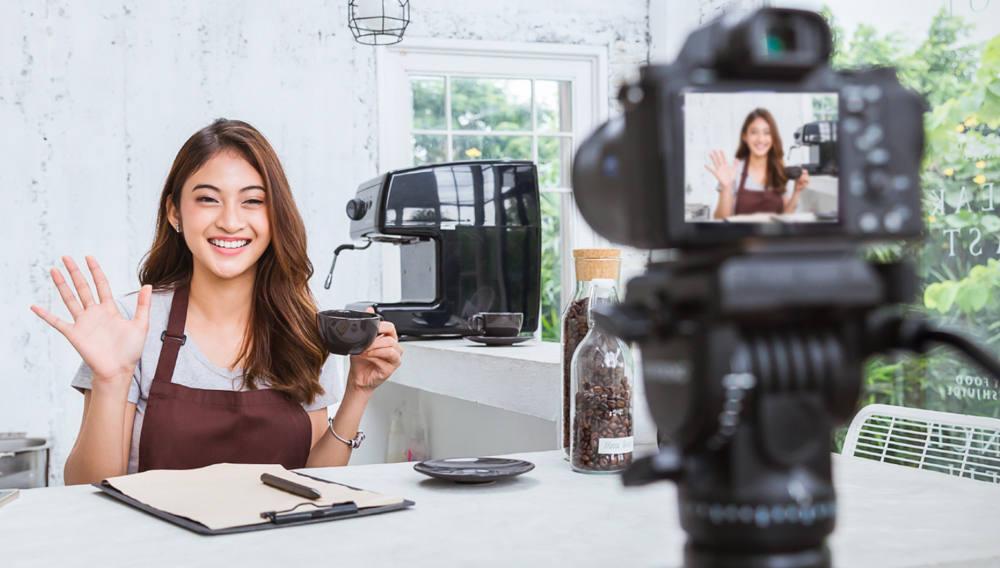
<point x="476" y="323"/>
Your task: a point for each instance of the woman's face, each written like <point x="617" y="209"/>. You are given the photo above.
<point x="758" y="137"/>
<point x="223" y="215"/>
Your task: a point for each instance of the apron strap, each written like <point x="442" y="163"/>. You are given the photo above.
<point x="743" y="176"/>
<point x="173" y="337"/>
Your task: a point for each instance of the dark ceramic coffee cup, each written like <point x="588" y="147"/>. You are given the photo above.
<point x="347" y="332"/>
<point x="496" y="324"/>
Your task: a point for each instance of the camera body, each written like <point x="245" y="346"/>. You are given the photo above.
<point x="631" y="174"/>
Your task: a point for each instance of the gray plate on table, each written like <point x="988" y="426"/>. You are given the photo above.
<point x="473" y="470"/>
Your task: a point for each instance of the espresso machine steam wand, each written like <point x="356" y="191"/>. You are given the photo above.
<point x="374" y="239"/>
<point x="336" y="252"/>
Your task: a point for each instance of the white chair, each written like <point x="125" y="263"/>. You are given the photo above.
<point x="966" y="446"/>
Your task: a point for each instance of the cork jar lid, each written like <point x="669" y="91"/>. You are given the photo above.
<point x="597" y="263"/>
<point x="597" y="253"/>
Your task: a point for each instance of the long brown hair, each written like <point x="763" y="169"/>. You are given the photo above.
<point x="281" y="349"/>
<point x="775" y="178"/>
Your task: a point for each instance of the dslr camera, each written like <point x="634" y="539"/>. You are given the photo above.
<point x="754" y="326"/>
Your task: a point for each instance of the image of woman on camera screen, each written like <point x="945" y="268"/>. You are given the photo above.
<point x="755" y="181"/>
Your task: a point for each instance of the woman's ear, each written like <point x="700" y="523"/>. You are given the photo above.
<point x="173" y="215"/>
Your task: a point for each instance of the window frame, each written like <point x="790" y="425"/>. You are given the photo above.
<point x="584" y="67"/>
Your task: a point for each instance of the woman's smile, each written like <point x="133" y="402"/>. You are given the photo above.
<point x="229" y="245"/>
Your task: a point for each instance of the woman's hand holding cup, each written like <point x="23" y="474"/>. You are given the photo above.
<point x="108" y="343"/>
<point x="802" y="182"/>
<point x="371" y="368"/>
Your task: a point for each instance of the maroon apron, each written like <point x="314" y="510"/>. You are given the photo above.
<point x="187" y="428"/>
<point x="749" y="202"/>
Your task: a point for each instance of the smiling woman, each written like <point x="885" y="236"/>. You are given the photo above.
<point x="218" y="357"/>
<point x="755" y="181"/>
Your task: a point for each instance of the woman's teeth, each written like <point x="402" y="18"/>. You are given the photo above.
<point x="229" y="244"/>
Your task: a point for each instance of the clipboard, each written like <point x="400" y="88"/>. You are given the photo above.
<point x="278" y="519"/>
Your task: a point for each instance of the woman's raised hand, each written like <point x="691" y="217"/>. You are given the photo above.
<point x="109" y="344"/>
<point x="723" y="171"/>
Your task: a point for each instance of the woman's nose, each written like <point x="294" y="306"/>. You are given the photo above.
<point x="230" y="220"/>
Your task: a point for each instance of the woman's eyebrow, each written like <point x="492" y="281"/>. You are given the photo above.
<point x="213" y="188"/>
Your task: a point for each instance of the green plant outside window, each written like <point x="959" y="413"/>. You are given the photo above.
<point x="959" y="261"/>
<point x="478" y="118"/>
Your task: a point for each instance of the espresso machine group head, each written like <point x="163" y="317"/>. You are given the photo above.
<point x="470" y="241"/>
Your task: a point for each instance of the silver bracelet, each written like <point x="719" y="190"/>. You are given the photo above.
<point x="355" y="443"/>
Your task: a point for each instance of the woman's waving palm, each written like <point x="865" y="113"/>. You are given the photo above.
<point x="723" y="171"/>
<point x="108" y="343"/>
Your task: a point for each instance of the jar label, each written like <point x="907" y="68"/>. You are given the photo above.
<point x="615" y="445"/>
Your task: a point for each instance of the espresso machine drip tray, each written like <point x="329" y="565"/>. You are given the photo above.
<point x="469" y="238"/>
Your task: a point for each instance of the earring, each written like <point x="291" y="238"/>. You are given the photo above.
<point x="178" y="227"/>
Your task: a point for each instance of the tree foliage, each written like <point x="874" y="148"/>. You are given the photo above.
<point x="958" y="260"/>
<point x="481" y="110"/>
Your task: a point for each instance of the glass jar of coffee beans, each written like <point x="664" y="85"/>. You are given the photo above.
<point x="601" y="425"/>
<point x="589" y="264"/>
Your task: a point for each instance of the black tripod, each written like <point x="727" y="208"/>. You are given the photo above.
<point x="749" y="361"/>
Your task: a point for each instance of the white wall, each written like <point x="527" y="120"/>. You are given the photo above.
<point x="95" y="101"/>
<point x="97" y="97"/>
<point x="712" y="121"/>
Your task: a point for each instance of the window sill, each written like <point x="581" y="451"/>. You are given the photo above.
<point x="522" y="378"/>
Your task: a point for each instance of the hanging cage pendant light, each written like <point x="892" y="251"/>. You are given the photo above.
<point x="378" y="22"/>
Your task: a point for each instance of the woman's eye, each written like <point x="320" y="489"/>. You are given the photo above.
<point x="253" y="202"/>
<point x="205" y="199"/>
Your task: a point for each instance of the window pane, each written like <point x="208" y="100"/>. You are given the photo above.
<point x="553" y="153"/>
<point x="958" y="269"/>
<point x="428" y="149"/>
<point x="428" y="102"/>
<point x="551" y="265"/>
<point x="552" y="101"/>
<point x="490" y="104"/>
<point x="491" y="147"/>
<point x="824" y="107"/>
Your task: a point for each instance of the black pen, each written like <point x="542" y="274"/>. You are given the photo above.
<point x="290" y="486"/>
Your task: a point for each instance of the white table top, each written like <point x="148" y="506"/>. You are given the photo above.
<point x="890" y="516"/>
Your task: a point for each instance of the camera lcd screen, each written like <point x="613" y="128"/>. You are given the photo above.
<point x="760" y="157"/>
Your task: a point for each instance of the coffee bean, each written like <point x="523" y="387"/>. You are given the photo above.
<point x="603" y="411"/>
<point x="574" y="328"/>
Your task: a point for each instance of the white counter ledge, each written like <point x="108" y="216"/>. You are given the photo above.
<point x="522" y="378"/>
<point x="889" y="517"/>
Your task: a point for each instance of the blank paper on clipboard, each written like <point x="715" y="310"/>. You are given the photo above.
<point x="225" y="496"/>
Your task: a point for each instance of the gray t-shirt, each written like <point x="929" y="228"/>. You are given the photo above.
<point x="193" y="369"/>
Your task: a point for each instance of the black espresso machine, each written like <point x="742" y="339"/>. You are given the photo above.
<point x="820" y="139"/>
<point x="470" y="241"/>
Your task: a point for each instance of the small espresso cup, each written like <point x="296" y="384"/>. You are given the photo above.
<point x="347" y="332"/>
<point x="496" y="324"/>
